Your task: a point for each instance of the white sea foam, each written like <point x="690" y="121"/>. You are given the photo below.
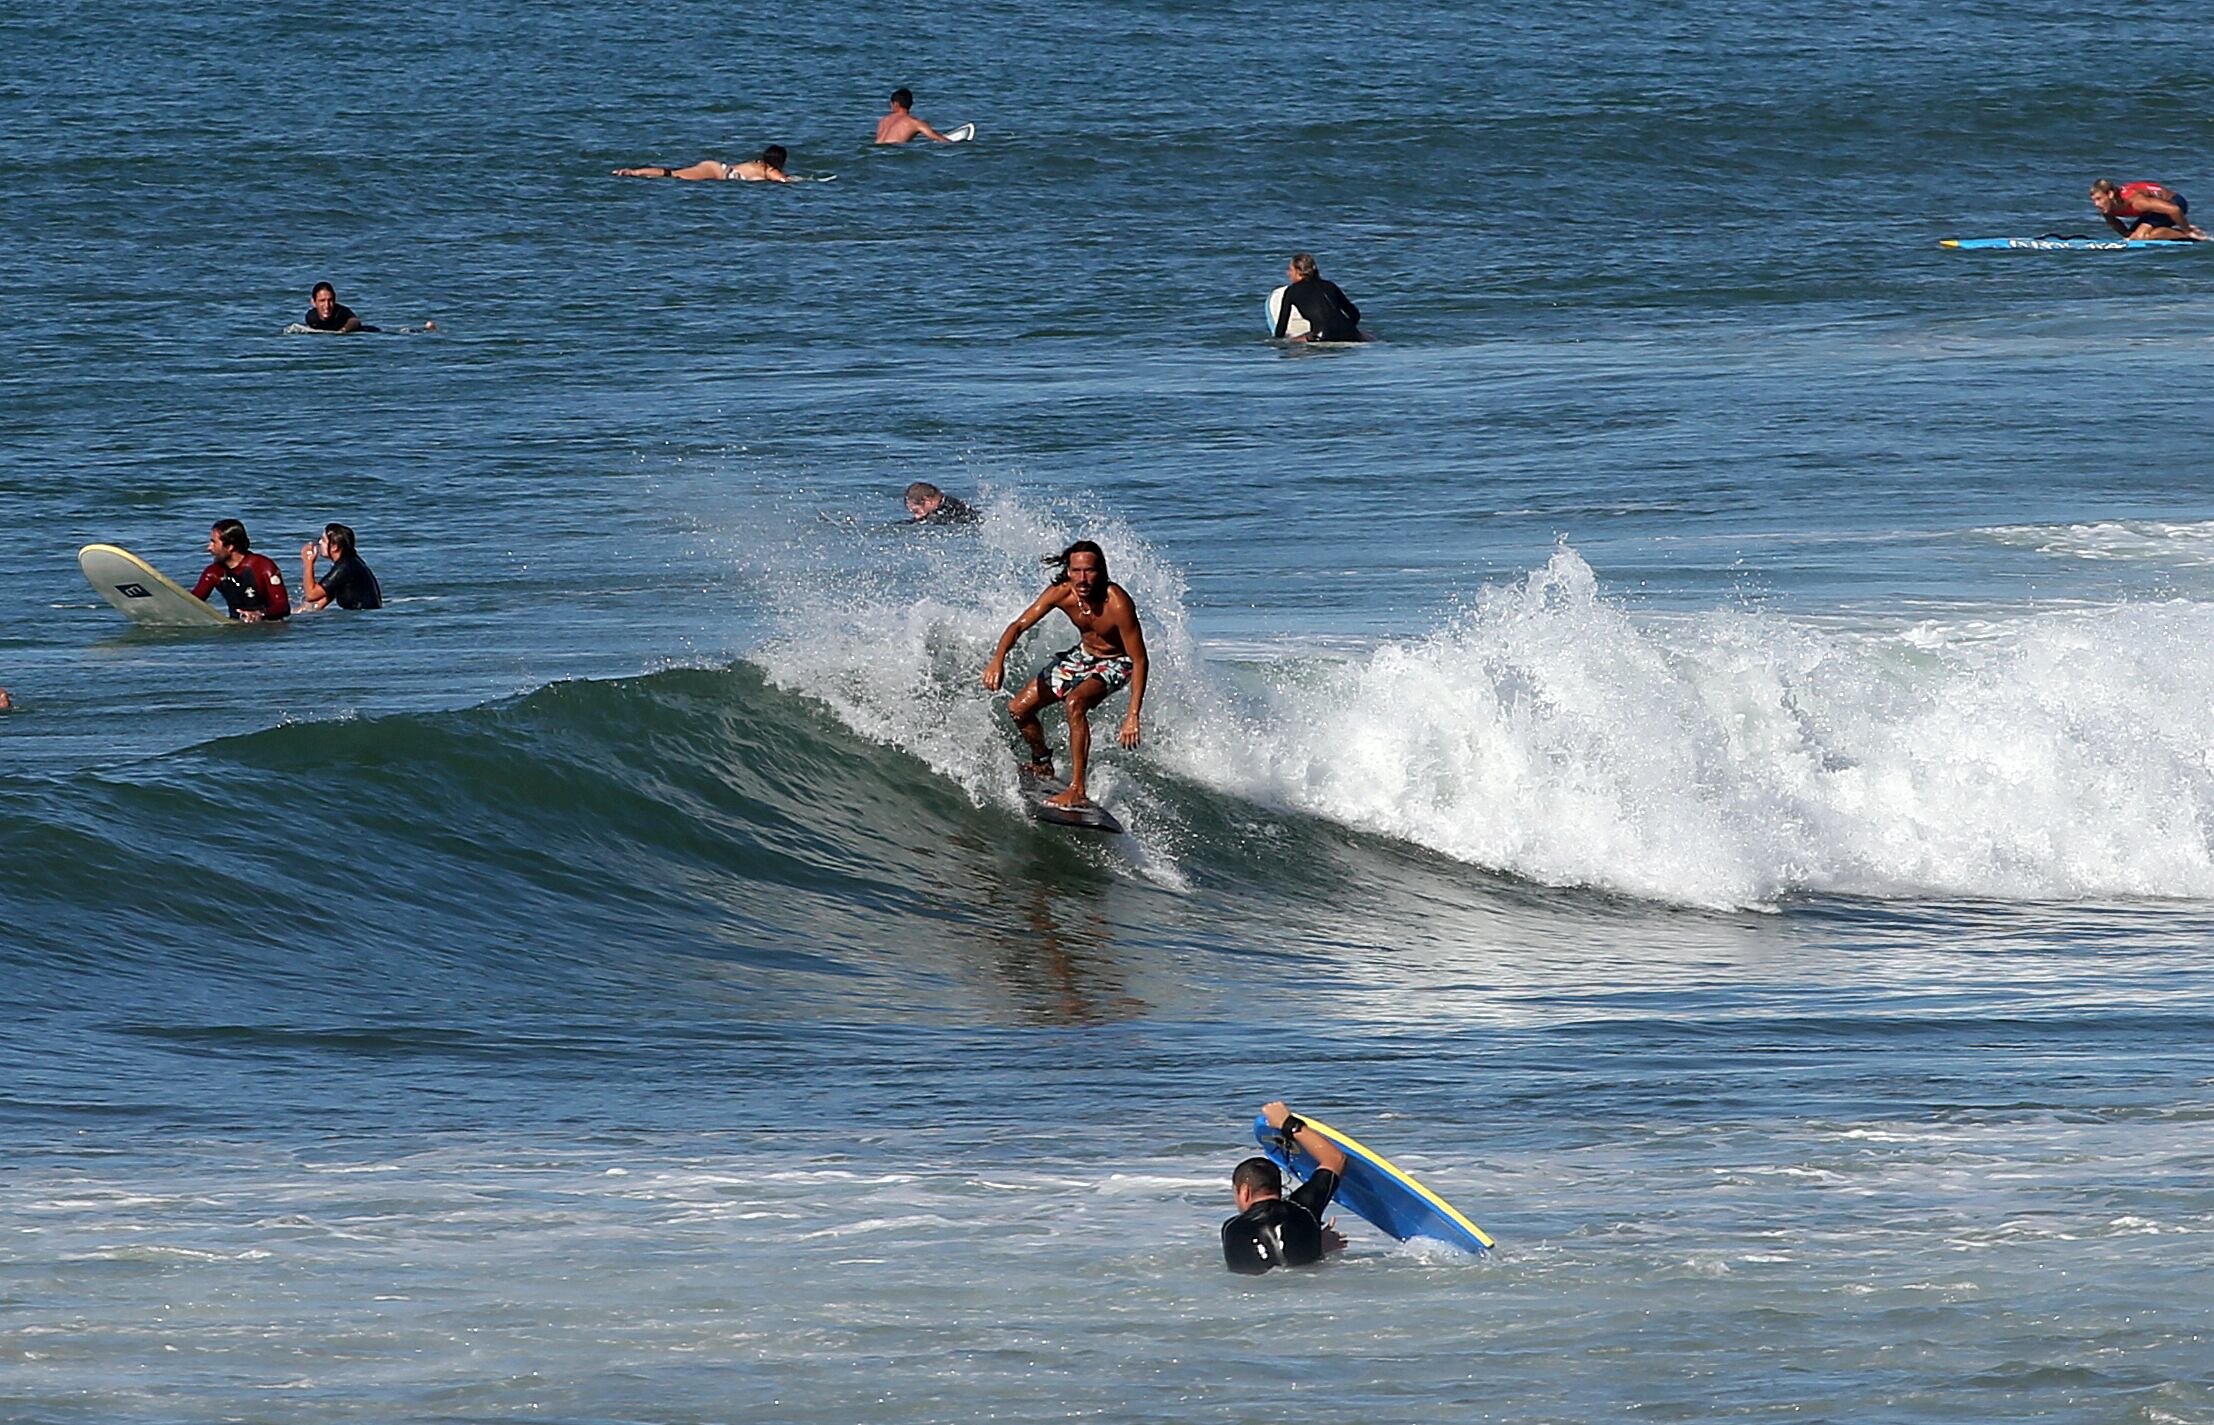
<point x="2185" y="544"/>
<point x="1727" y="758"/>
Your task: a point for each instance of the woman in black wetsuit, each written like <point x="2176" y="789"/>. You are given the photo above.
<point x="1330" y="314"/>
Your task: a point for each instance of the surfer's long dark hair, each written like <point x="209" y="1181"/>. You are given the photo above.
<point x="1061" y="560"/>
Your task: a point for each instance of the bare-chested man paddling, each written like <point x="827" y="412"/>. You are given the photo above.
<point x="899" y="125"/>
<point x="1110" y="654"/>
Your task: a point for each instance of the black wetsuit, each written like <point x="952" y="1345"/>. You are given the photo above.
<point x="335" y="322"/>
<point x="950" y="511"/>
<point x="351" y="585"/>
<point x="1330" y="314"/>
<point x="1280" y="1231"/>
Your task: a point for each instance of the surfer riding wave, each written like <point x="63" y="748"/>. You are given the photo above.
<point x="1110" y="653"/>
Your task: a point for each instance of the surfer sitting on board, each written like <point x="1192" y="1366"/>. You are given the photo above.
<point x="927" y="504"/>
<point x="1330" y="314"/>
<point x="1110" y="654"/>
<point x="1272" y="1230"/>
<point x="250" y="583"/>
<point x="899" y="126"/>
<point x="768" y="168"/>
<point x="2145" y="212"/>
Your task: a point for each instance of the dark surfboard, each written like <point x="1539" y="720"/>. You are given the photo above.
<point x="1036" y="789"/>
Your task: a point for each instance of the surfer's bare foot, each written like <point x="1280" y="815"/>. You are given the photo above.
<point x="1069" y="800"/>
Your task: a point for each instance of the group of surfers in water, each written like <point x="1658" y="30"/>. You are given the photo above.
<point x="252" y="586"/>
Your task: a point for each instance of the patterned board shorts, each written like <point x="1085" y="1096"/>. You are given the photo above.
<point x="1072" y="666"/>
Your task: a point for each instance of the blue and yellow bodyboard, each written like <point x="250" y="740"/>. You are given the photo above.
<point x="1384" y="1196"/>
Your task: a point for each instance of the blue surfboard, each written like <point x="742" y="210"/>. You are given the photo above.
<point x="1388" y="1198"/>
<point x="2062" y="244"/>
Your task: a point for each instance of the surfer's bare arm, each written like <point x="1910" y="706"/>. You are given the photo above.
<point x="314" y="595"/>
<point x="1325" y="1153"/>
<point x="996" y="670"/>
<point x="930" y="133"/>
<point x="1133" y="643"/>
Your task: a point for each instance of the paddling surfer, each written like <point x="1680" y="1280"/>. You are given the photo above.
<point x="900" y="124"/>
<point x="768" y="168"/>
<point x="1110" y="654"/>
<point x="1272" y="1230"/>
<point x="927" y="504"/>
<point x="2146" y="212"/>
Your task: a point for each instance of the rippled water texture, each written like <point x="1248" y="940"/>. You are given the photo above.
<point x="1694" y="742"/>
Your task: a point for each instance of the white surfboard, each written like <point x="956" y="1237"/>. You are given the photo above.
<point x="1298" y="325"/>
<point x="142" y="591"/>
<point x="962" y="134"/>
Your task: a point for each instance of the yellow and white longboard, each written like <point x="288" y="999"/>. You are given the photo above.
<point x="143" y="592"/>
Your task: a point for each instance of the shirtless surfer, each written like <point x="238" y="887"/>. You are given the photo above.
<point x="900" y="125"/>
<point x="768" y="168"/>
<point x="2146" y="212"/>
<point x="1110" y="654"/>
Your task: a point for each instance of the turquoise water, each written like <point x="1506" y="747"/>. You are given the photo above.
<point x="1694" y="742"/>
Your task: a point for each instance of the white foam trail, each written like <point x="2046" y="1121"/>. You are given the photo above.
<point x="1724" y="759"/>
<point x="2184" y="544"/>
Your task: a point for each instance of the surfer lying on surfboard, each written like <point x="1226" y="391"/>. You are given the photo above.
<point x="1109" y="654"/>
<point x="768" y="168"/>
<point x="1272" y="1230"/>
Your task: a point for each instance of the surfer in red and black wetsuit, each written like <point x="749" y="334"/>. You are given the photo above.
<point x="2146" y="212"/>
<point x="250" y="583"/>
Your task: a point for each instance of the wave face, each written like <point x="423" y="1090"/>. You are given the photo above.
<point x="1725" y="758"/>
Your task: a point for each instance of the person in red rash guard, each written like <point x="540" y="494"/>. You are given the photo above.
<point x="2146" y="212"/>
<point x="250" y="583"/>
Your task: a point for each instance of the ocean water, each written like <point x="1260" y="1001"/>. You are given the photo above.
<point x="1696" y="742"/>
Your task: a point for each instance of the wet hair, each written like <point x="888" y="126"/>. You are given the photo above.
<point x="1258" y="1175"/>
<point x="1082" y="546"/>
<point x="923" y="490"/>
<point x="2105" y="185"/>
<point x="773" y="155"/>
<point x="233" y="534"/>
<point x="320" y="289"/>
<point x="1303" y="263"/>
<point x="341" y="538"/>
<point x="905" y="98"/>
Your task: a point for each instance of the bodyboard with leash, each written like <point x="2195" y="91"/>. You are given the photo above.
<point x="1385" y="1196"/>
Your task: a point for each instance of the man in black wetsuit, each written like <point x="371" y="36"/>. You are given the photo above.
<point x="350" y="584"/>
<point x="1272" y="1230"/>
<point x="927" y="504"/>
<point x="328" y="314"/>
<point x="1330" y="314"/>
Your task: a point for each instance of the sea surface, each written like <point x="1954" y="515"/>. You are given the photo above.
<point x="1696" y="742"/>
